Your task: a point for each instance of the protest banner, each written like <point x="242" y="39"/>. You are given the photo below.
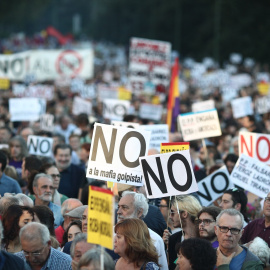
<point x="255" y="145"/>
<point x="262" y="105"/>
<point x="199" y="125"/>
<point x="149" y="61"/>
<point x="4" y="84"/>
<point x="125" y="124"/>
<point x="81" y="106"/>
<point x="150" y="111"/>
<point x="214" y="185"/>
<point x="46" y="122"/>
<point x="4" y="146"/>
<point x="26" y="109"/>
<point x="114" y="154"/>
<point x="84" y="90"/>
<point x="242" y="107"/>
<point x="40" y="146"/>
<point x="115" y="109"/>
<point x="168" y="174"/>
<point x="203" y="106"/>
<point x="173" y="147"/>
<point x="106" y="92"/>
<point x="252" y="175"/>
<point x="159" y="134"/>
<point x="100" y="217"/>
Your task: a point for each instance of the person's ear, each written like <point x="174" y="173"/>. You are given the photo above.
<point x="216" y="228"/>
<point x="238" y="206"/>
<point x="139" y="213"/>
<point x="184" y="214"/>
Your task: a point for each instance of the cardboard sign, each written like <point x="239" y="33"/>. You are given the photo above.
<point x="100" y="217"/>
<point x="252" y="175"/>
<point x="81" y="106"/>
<point x="125" y="124"/>
<point x="114" y="154"/>
<point x="26" y="109"/>
<point x="173" y="147"/>
<point x="262" y="105"/>
<point x="46" y="122"/>
<point x="199" y="125"/>
<point x="150" y="111"/>
<point x="214" y="185"/>
<point x="242" y="107"/>
<point x="255" y="145"/>
<point x="159" y="134"/>
<point x="115" y="109"/>
<point x="40" y="146"/>
<point x="203" y="106"/>
<point x="168" y="174"/>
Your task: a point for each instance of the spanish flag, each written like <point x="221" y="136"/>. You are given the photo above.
<point x="173" y="101"/>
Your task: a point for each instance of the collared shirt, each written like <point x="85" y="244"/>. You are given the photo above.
<point x="254" y="229"/>
<point x="8" y="184"/>
<point x="56" y="261"/>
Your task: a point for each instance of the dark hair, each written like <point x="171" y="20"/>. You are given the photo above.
<point x="77" y="223"/>
<point x="239" y="196"/>
<point x="231" y="157"/>
<point x="199" y="252"/>
<point x="45" y="215"/>
<point x="30" y="181"/>
<point x="3" y="160"/>
<point x="60" y="137"/>
<point x="213" y="211"/>
<point x="86" y="146"/>
<point x="46" y="166"/>
<point x="32" y="163"/>
<point x="85" y="191"/>
<point x="82" y="119"/>
<point x="62" y="146"/>
<point x="10" y="221"/>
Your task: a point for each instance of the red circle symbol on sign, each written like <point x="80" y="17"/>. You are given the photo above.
<point x="69" y="63"/>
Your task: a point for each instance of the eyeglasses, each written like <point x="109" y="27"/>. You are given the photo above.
<point x="205" y="222"/>
<point x="234" y="231"/>
<point x="267" y="200"/>
<point x="55" y="175"/>
<point x="35" y="254"/>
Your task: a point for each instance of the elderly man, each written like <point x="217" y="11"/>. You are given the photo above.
<point x="259" y="227"/>
<point x="37" y="250"/>
<point x="230" y="255"/>
<point x="134" y="205"/>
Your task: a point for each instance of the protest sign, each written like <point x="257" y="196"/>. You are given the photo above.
<point x="168" y="174"/>
<point x="4" y="84"/>
<point x="115" y="109"/>
<point x="46" y="122"/>
<point x="40" y="146"/>
<point x="100" y="217"/>
<point x="242" y="107"/>
<point x="203" y="106"/>
<point x="125" y="124"/>
<point x="4" y="146"/>
<point x="263" y="88"/>
<point x="173" y="147"/>
<point x="114" y="154"/>
<point x="81" y="106"/>
<point x="149" y="61"/>
<point x="26" y="109"/>
<point x="262" y="105"/>
<point x="124" y="93"/>
<point x="199" y="125"/>
<point x="106" y="92"/>
<point x="252" y="175"/>
<point x="150" y="111"/>
<point x="255" y="145"/>
<point x="159" y="134"/>
<point x="214" y="185"/>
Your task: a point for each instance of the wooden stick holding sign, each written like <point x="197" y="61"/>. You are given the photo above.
<point x="206" y="156"/>
<point x="102" y="259"/>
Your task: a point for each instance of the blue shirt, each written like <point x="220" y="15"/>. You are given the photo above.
<point x="8" y="184"/>
<point x="237" y="261"/>
<point x="58" y="218"/>
<point x="57" y="260"/>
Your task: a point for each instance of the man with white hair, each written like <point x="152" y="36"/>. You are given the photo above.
<point x="134" y="205"/>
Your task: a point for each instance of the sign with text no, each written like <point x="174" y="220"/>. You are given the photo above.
<point x="115" y="152"/>
<point x="100" y="217"/>
<point x="168" y="174"/>
<point x="40" y="146"/>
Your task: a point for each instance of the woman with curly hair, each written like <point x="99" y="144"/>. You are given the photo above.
<point x="133" y="244"/>
<point x="14" y="218"/>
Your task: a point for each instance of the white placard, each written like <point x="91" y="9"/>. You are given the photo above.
<point x="199" y="125"/>
<point x="159" y="134"/>
<point x="81" y="106"/>
<point x="115" y="109"/>
<point x="203" y="106"/>
<point x="262" y="105"/>
<point x="242" y="107"/>
<point x="46" y="122"/>
<point x="168" y="174"/>
<point x="125" y="124"/>
<point x="40" y="146"/>
<point x="150" y="111"/>
<point x="26" y="109"/>
<point x="115" y="152"/>
<point x="255" y="145"/>
<point x="252" y="175"/>
<point x="106" y="92"/>
<point x="214" y="185"/>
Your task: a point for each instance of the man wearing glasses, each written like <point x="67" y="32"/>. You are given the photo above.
<point x="230" y="255"/>
<point x="37" y="250"/>
<point x="259" y="227"/>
